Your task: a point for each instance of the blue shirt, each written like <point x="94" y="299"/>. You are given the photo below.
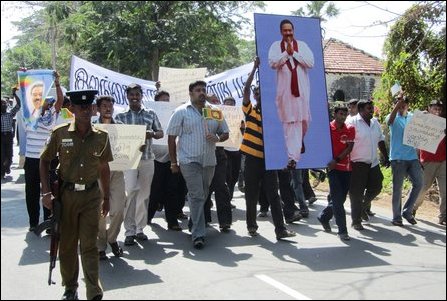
<point x="191" y="127"/>
<point x="398" y="150"/>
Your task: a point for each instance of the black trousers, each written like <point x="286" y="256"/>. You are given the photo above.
<point x="168" y="189"/>
<point x="307" y="188"/>
<point x="285" y="191"/>
<point x="233" y="169"/>
<point x="32" y="191"/>
<point x="6" y="151"/>
<point x="221" y="192"/>
<point x="255" y="174"/>
<point x="365" y="185"/>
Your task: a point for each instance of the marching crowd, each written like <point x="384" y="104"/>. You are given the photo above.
<point x="69" y="161"/>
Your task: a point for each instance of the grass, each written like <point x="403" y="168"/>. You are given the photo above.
<point x="388" y="181"/>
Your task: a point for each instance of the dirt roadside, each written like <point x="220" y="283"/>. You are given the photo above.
<point x="428" y="211"/>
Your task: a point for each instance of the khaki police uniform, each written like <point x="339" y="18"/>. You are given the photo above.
<point x="79" y="169"/>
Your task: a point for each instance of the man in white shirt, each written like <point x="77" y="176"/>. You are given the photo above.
<point x="366" y="177"/>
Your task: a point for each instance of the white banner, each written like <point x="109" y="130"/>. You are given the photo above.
<point x="424" y="131"/>
<point x="85" y="75"/>
<point x="125" y="141"/>
<point x="176" y="81"/>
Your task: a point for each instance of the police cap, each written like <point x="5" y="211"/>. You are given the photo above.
<point x="82" y="97"/>
<point x="436" y="102"/>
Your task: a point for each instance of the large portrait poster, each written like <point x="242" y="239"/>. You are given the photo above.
<point x="293" y="91"/>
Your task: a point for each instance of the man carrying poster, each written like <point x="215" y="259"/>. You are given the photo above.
<point x="291" y="59"/>
<point x="434" y="167"/>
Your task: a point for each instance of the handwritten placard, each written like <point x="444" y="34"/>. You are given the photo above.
<point x="177" y="81"/>
<point x="424" y="131"/>
<point x="233" y="116"/>
<point x="125" y="141"/>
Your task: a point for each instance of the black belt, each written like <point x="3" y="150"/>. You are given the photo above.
<point x="79" y="187"/>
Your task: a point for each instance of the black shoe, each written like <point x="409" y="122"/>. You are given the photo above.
<point x="141" y="236"/>
<point x="225" y="228"/>
<point x="358" y="227"/>
<point x="175" y="228"/>
<point x="304" y="212"/>
<point x="253" y="232"/>
<point x="291" y="164"/>
<point x="181" y="215"/>
<point x="129" y="241"/>
<point x="326" y="225"/>
<point x="97" y="297"/>
<point x="116" y="249"/>
<point x="411" y="220"/>
<point x="370" y="213"/>
<point x="312" y="200"/>
<point x="70" y="295"/>
<point x="294" y="218"/>
<point x="397" y="223"/>
<point x="102" y="255"/>
<point x="284" y="234"/>
<point x="199" y="243"/>
<point x="32" y="228"/>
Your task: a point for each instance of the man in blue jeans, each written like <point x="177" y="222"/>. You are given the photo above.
<point x="339" y="168"/>
<point x="404" y="162"/>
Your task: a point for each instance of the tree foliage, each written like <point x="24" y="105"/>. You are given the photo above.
<point x="135" y="37"/>
<point x="416" y="56"/>
<point x="318" y="9"/>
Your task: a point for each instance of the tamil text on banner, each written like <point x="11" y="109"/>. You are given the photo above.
<point x="34" y="87"/>
<point x="86" y="75"/>
<point x="424" y="131"/>
<point x="125" y="141"/>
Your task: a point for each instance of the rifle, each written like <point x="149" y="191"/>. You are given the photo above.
<point x="55" y="236"/>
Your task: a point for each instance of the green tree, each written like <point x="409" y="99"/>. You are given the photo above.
<point x="416" y="56"/>
<point x="318" y="9"/>
<point x="34" y="55"/>
<point x="135" y="37"/>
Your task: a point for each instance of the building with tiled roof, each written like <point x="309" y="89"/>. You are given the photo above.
<point x="350" y="72"/>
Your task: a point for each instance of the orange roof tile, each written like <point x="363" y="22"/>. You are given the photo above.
<point x="340" y="57"/>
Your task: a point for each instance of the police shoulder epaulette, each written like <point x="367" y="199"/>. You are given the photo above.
<point x="61" y="126"/>
<point x="99" y="128"/>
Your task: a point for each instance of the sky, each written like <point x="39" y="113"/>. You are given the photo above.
<point x="358" y="23"/>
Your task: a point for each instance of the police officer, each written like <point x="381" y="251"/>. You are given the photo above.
<point x="84" y="153"/>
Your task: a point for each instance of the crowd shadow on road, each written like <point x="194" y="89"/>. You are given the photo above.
<point x="117" y="273"/>
<point x="13" y="210"/>
<point x="36" y="250"/>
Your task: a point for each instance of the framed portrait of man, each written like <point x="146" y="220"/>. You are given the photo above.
<point x="293" y="91"/>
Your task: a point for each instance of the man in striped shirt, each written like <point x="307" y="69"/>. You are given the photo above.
<point x="255" y="172"/>
<point x="138" y="181"/>
<point x="197" y="137"/>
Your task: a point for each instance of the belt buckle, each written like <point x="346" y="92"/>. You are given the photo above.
<point x="79" y="187"/>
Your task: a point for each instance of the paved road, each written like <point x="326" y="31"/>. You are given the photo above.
<point x="381" y="262"/>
